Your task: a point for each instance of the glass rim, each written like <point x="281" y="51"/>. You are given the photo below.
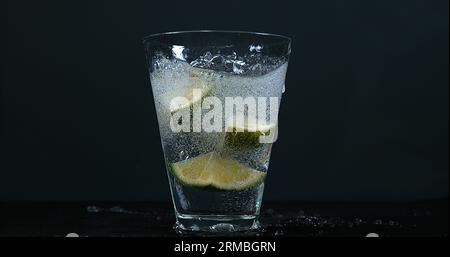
<point x="154" y="37"/>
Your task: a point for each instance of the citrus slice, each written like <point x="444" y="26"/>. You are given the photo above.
<point x="196" y="84"/>
<point x="217" y="172"/>
<point x="245" y="135"/>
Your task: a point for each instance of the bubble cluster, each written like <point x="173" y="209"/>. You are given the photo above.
<point x="228" y="76"/>
<point x="255" y="64"/>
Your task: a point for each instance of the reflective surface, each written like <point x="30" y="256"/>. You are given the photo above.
<point x="277" y="219"/>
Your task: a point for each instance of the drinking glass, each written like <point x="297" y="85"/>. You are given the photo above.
<point x="217" y="95"/>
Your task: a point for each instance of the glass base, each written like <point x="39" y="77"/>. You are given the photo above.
<point x="215" y="224"/>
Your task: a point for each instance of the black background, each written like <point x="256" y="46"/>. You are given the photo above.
<point x="364" y="117"/>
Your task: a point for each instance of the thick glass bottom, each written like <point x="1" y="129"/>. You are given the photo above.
<point x="215" y="224"/>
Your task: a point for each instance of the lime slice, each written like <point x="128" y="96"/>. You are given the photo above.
<point x="239" y="136"/>
<point x="217" y="172"/>
<point x="196" y="84"/>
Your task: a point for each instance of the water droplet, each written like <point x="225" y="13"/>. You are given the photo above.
<point x="378" y="222"/>
<point x="357" y="221"/>
<point x="92" y="209"/>
<point x="279" y="232"/>
<point x="116" y="209"/>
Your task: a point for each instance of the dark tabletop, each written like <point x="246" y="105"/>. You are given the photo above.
<point x="428" y="218"/>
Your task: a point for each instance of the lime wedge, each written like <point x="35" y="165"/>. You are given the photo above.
<point x="196" y="84"/>
<point x="217" y="172"/>
<point x="240" y="136"/>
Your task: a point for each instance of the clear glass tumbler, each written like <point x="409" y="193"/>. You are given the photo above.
<point x="217" y="95"/>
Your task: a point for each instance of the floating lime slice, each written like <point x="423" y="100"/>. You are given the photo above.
<point x="217" y="172"/>
<point x="239" y="136"/>
<point x="188" y="93"/>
